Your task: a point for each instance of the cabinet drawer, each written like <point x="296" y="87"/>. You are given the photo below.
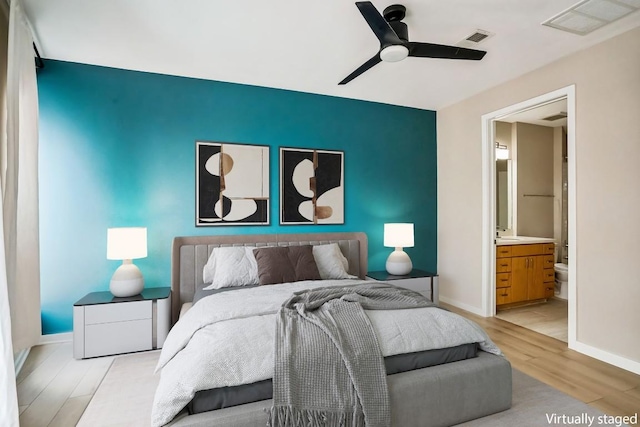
<point x="547" y="261"/>
<point x="418" y="284"/>
<point x="549" y="248"/>
<point x="549" y="290"/>
<point x="503" y="296"/>
<point x="548" y="275"/>
<point x="118" y="337"/>
<point x="503" y="251"/>
<point x="503" y="280"/>
<point x="526" y="250"/>
<point x="117" y="312"/>
<point x="503" y="265"/>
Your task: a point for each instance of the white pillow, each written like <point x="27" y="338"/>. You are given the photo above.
<point x="232" y="266"/>
<point x="331" y="263"/>
<point x="209" y="268"/>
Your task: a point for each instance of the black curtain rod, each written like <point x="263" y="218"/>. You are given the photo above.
<point x="39" y="61"/>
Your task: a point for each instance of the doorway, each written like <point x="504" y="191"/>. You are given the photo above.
<point x="490" y="195"/>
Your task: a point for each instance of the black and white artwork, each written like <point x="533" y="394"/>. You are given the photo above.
<point x="232" y="184"/>
<point x="311" y="186"/>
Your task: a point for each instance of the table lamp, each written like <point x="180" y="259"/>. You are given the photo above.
<point x="126" y="244"/>
<point x="398" y="235"/>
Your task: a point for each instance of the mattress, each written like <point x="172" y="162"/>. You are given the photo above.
<point x="225" y="397"/>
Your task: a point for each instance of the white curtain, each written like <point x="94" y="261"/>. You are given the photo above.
<point x="20" y="263"/>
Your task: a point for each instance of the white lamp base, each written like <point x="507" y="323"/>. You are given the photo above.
<point x="399" y="263"/>
<point x="127" y="280"/>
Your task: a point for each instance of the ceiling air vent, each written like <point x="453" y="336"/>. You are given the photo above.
<point x="589" y="15"/>
<point x="553" y="118"/>
<point x="475" y="38"/>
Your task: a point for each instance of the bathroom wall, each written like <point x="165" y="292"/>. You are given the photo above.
<point x="559" y="190"/>
<point x="534" y="171"/>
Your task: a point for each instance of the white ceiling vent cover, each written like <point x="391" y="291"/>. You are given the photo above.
<point x="589" y="15"/>
<point x="474" y="39"/>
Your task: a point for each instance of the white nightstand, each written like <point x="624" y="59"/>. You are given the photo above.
<point x="104" y="324"/>
<point x="418" y="280"/>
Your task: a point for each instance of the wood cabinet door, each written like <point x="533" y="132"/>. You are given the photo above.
<point x="536" y="289"/>
<point x="520" y="273"/>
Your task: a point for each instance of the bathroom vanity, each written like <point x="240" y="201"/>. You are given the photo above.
<point x="524" y="270"/>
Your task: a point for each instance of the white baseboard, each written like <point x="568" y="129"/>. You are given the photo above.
<point x="19" y="359"/>
<point x="605" y="356"/>
<point x="51" y="338"/>
<point x="463" y="306"/>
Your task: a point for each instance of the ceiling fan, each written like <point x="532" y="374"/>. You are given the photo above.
<point x="394" y="40"/>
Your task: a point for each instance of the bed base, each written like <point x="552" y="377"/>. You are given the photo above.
<point x="442" y="395"/>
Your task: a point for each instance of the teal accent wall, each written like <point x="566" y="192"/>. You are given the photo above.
<point x="117" y="148"/>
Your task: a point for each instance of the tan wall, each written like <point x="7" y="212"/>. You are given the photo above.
<point x="503" y="134"/>
<point x="607" y="79"/>
<point x="557" y="187"/>
<point x="534" y="165"/>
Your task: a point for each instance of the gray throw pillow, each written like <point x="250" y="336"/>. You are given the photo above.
<point x="285" y="264"/>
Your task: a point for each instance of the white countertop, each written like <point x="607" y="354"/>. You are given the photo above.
<point x="522" y="240"/>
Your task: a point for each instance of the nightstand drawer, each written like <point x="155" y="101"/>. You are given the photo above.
<point x="117" y="312"/>
<point x="420" y="284"/>
<point x="118" y="337"/>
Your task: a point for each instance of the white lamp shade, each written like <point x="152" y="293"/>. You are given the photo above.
<point x="126" y="243"/>
<point x="398" y="235"/>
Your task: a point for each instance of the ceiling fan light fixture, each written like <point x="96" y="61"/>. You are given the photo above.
<point x="394" y="53"/>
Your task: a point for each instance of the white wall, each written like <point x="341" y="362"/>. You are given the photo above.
<point x="607" y="79"/>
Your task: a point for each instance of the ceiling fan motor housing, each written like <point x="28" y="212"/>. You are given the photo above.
<point x="400" y="29"/>
<point x="394" y="15"/>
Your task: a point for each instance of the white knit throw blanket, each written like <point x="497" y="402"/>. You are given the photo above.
<point x="329" y="371"/>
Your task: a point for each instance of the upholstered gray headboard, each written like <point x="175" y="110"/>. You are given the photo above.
<point x="190" y="254"/>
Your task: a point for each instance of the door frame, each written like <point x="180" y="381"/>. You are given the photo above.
<point x="489" y="199"/>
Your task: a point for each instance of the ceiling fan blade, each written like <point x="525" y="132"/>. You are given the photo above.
<point x="361" y="69"/>
<point x="378" y="24"/>
<point x="430" y="50"/>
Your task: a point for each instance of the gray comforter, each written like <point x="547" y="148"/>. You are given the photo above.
<point x="329" y="369"/>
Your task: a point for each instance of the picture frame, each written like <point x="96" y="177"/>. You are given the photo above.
<point x="311" y="186"/>
<point x="232" y="184"/>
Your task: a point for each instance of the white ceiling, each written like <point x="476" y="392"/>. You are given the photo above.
<point x="310" y="46"/>
<point x="535" y="116"/>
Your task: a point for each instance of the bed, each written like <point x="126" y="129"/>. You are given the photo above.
<point x="441" y="395"/>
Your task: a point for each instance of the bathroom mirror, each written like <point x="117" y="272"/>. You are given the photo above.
<point x="503" y="191"/>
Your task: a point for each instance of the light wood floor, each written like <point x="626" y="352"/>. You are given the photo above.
<point x="54" y="389"/>
<point x="549" y="318"/>
<point x="612" y="390"/>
